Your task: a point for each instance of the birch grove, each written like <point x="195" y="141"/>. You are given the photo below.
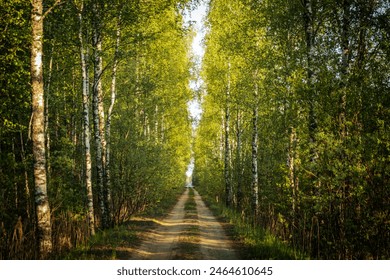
<point x="116" y="118"/>
<point x="306" y="147"/>
<point x="292" y="144"/>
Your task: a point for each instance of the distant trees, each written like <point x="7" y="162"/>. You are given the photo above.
<point x="84" y="61"/>
<point x="309" y="88"/>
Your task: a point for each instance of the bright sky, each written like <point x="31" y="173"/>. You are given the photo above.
<point x="197" y="17"/>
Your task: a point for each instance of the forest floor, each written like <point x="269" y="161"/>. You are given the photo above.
<point x="189" y="231"/>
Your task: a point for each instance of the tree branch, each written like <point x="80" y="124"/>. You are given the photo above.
<point x="57" y="3"/>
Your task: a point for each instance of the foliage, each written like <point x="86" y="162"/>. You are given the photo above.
<point x="315" y="72"/>
<point x="254" y="242"/>
<point x="150" y="130"/>
<point x="319" y="70"/>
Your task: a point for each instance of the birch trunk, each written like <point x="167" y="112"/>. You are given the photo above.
<point x="228" y="185"/>
<point x="240" y="171"/>
<point x="38" y="133"/>
<point x="98" y="114"/>
<point x="291" y="170"/>
<point x="87" y="135"/>
<point x="47" y="132"/>
<point x="309" y="36"/>
<point x="255" y="176"/>
<point x="110" y="110"/>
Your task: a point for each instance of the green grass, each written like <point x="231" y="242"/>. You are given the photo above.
<point x="107" y="244"/>
<point x="190" y="205"/>
<point x="113" y="243"/>
<point x="253" y="242"/>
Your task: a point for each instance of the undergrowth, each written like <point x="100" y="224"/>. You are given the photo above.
<point x="111" y="244"/>
<point x="164" y="204"/>
<point x="107" y="244"/>
<point x="255" y="242"/>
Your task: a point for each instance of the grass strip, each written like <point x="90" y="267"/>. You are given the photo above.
<point x="188" y="245"/>
<point x="252" y="242"/>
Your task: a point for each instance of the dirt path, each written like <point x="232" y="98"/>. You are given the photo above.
<point x="165" y="242"/>
<point x="214" y="244"/>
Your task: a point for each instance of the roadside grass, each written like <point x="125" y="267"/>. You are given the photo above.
<point x="117" y="242"/>
<point x="253" y="242"/>
<point x="107" y="244"/>
<point x="190" y="205"/>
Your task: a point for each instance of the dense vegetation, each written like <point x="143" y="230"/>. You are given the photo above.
<point x="294" y="136"/>
<point x="295" y="129"/>
<point x="121" y="69"/>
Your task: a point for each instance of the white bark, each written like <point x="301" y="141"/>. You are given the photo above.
<point x="87" y="135"/>
<point x="240" y="167"/>
<point x="47" y="132"/>
<point x="38" y="133"/>
<point x="255" y="176"/>
<point x="110" y="110"/>
<point x="228" y="185"/>
<point x="291" y="168"/>
<point x="98" y="115"/>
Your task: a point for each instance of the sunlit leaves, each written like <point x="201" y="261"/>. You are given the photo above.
<point x="329" y="173"/>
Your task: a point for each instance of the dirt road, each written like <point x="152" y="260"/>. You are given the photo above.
<point x="180" y="236"/>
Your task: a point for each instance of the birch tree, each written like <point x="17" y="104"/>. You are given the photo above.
<point x="111" y="108"/>
<point x="226" y="124"/>
<point x="84" y="58"/>
<point x="38" y="132"/>
<point x="98" y="112"/>
<point x="254" y="145"/>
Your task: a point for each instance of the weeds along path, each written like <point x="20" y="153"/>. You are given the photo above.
<point x="190" y="231"/>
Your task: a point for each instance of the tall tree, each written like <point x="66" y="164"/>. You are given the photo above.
<point x="87" y="134"/>
<point x="254" y="144"/>
<point x="98" y="111"/>
<point x="38" y="132"/>
<point x="111" y="108"/>
<point x="227" y="160"/>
